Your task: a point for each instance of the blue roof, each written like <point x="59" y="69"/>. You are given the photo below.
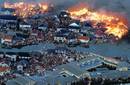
<point x="60" y="35"/>
<point x="91" y="64"/>
<point x="87" y="24"/>
<point x="10" y="53"/>
<point x="64" y="31"/>
<point x="24" y="23"/>
<point x="7" y="9"/>
<point x="113" y="74"/>
<point x="71" y="37"/>
<point x="23" y="62"/>
<point x="25" y="54"/>
<point x="8" y="17"/>
<point x="12" y="23"/>
<point x="18" y="38"/>
<point x="43" y="25"/>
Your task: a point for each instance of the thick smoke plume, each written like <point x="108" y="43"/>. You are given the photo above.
<point x="122" y="7"/>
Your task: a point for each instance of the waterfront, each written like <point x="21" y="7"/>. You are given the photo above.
<point x="121" y="50"/>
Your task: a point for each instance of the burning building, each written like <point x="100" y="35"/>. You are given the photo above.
<point x="27" y="9"/>
<point x="113" y="24"/>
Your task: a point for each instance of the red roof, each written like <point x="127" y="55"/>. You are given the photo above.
<point x="99" y="32"/>
<point x="83" y="38"/>
<point x="2" y="69"/>
<point x="8" y="37"/>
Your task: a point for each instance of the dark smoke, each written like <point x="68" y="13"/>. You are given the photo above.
<point x="120" y="6"/>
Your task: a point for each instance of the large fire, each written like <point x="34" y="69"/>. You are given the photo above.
<point x="113" y="24"/>
<point x="27" y="9"/>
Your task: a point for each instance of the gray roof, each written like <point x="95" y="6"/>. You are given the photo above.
<point x="72" y="68"/>
<point x="123" y="64"/>
<point x="21" y="81"/>
<point x="10" y="82"/>
<point x="91" y="64"/>
<point x="62" y="78"/>
<point x="7" y="9"/>
<point x="8" y="17"/>
<point x="110" y="74"/>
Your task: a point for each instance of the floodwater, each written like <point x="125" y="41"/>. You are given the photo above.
<point x="112" y="50"/>
<point x="107" y="49"/>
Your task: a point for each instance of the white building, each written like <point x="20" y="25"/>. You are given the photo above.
<point x="20" y="67"/>
<point x="74" y="27"/>
<point x="25" y="26"/>
<point x="43" y="27"/>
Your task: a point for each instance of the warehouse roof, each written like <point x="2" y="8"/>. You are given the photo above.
<point x="8" y="17"/>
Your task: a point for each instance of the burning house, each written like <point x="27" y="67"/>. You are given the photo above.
<point x="113" y="24"/>
<point x="27" y="9"/>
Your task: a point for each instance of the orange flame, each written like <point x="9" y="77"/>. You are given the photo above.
<point x="27" y="9"/>
<point x="113" y="24"/>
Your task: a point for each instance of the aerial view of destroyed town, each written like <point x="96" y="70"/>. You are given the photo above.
<point x="64" y="42"/>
